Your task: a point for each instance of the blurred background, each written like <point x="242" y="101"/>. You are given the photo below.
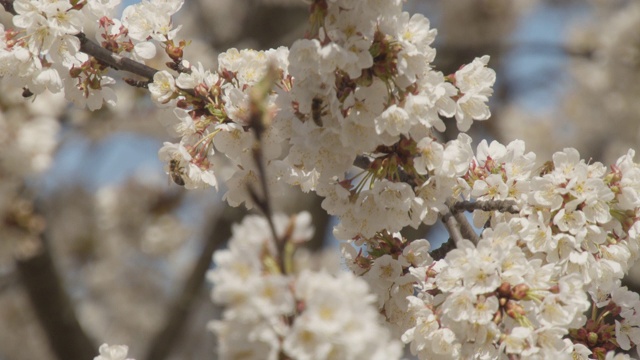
<point x="124" y="251"/>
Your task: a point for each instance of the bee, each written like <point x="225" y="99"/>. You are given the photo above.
<point x="176" y="172"/>
<point x="546" y="168"/>
<point x="316" y="111"/>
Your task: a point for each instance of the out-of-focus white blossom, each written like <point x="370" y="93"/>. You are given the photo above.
<point x="113" y="352"/>
<point x="306" y="315"/>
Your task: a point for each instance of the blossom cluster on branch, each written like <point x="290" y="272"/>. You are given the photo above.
<point x="360" y="89"/>
<point x="300" y="314"/>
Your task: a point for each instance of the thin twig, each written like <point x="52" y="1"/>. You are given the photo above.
<point x="114" y="60"/>
<point x="258" y="116"/>
<point x="508" y="206"/>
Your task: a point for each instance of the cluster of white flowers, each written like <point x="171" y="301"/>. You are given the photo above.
<point x="307" y="315"/>
<point x="27" y="134"/>
<point x="220" y="124"/>
<point x="523" y="289"/>
<point x="369" y="69"/>
<point x="393" y="275"/>
<point x="43" y="52"/>
<point x="365" y="75"/>
<point x="578" y="216"/>
<point x="616" y="301"/>
<point x="492" y="299"/>
<point x="360" y="89"/>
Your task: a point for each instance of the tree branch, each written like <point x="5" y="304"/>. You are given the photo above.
<point x="453" y="226"/>
<point x="114" y="60"/>
<point x="43" y="284"/>
<point x="8" y="280"/>
<point x="468" y="232"/>
<point x="457" y="224"/>
<point x="487" y="205"/>
<point x="105" y="56"/>
<point x="443" y="250"/>
<point x="8" y="6"/>
<point x="53" y="307"/>
<point x="259" y="118"/>
<point x="218" y="232"/>
<point x="531" y="47"/>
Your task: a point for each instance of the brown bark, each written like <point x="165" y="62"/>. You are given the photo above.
<point x="53" y="307"/>
<point x="217" y="234"/>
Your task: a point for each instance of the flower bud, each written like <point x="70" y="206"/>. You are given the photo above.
<point x="519" y="291"/>
<point x="504" y="290"/>
<point x="514" y="309"/>
<point x="174" y="52"/>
